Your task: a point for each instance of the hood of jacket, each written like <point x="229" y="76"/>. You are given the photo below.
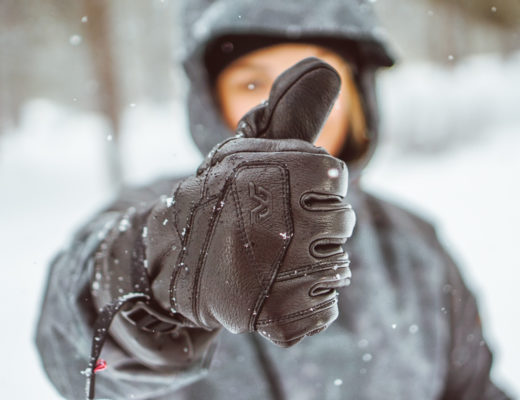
<point x="350" y="22"/>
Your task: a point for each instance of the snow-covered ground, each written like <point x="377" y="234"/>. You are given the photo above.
<point x="52" y="177"/>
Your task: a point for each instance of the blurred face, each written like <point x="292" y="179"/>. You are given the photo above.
<point x="246" y="82"/>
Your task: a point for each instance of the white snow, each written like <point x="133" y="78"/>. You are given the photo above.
<point x="333" y="173"/>
<point x="52" y="178"/>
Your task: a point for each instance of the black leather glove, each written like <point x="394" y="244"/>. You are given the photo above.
<point x="253" y="242"/>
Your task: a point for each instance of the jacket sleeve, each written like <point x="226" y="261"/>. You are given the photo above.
<point x="470" y="359"/>
<point x="141" y="364"/>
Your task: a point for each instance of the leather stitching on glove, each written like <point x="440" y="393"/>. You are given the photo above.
<point x="311" y="269"/>
<point x="298" y="314"/>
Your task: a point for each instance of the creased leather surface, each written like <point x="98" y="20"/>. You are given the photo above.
<point x="261" y="225"/>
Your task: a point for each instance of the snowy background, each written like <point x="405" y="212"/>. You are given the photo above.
<point x="450" y="148"/>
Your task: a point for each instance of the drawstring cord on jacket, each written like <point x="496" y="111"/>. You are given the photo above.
<point x="141" y="286"/>
<point x="101" y="326"/>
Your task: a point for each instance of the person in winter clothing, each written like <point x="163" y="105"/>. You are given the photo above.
<point x="254" y="242"/>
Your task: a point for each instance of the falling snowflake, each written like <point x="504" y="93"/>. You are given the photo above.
<point x="333" y="173"/>
<point x="124" y="224"/>
<point x="75" y="40"/>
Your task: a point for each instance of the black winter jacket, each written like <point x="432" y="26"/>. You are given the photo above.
<point x="408" y="328"/>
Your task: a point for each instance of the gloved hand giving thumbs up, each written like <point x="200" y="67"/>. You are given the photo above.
<point x="260" y="228"/>
<point x="253" y="241"/>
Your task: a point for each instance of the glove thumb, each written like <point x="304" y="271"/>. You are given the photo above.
<point x="299" y="103"/>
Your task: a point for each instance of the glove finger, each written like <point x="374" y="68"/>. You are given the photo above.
<point x="299" y="103"/>
<point x="288" y="330"/>
<point x="302" y="300"/>
<point x="254" y="145"/>
<point x="323" y="220"/>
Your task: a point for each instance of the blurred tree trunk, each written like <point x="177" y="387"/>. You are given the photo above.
<point x="99" y="41"/>
<point x="10" y="99"/>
